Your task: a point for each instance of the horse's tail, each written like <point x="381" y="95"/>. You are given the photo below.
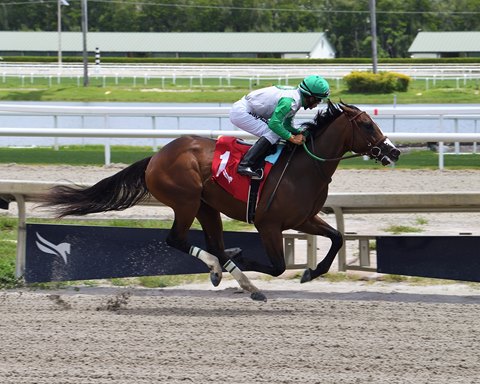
<point x="115" y="193"/>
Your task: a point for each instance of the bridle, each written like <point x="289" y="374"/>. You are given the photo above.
<point x="374" y="152"/>
<point x="374" y="149"/>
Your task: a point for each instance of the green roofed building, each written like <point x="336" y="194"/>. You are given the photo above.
<point x="445" y="44"/>
<point x="181" y="44"/>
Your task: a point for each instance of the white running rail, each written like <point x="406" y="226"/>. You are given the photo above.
<point x="437" y="112"/>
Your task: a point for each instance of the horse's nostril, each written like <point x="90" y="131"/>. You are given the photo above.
<point x="395" y="153"/>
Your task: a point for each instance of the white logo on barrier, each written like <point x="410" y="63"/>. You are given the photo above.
<point x="62" y="250"/>
<point x="223" y="165"/>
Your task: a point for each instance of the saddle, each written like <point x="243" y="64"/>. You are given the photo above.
<point x="228" y="153"/>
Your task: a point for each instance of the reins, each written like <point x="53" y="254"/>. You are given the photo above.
<point x="332" y="159"/>
<point x="352" y="121"/>
<point x="280" y="178"/>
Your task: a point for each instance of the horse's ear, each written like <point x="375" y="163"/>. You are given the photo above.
<point x="339" y="106"/>
<point x="333" y="105"/>
<point x="330" y="105"/>
<point x="347" y="106"/>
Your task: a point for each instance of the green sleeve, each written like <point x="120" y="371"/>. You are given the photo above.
<point x="288" y="124"/>
<point x="281" y="120"/>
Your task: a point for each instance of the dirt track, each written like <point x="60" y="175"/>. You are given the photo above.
<point x="312" y="333"/>
<point x="328" y="334"/>
<point x="376" y="180"/>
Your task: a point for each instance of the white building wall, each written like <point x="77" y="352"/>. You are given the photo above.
<point x="322" y="50"/>
<point x="295" y="55"/>
<point x="425" y="55"/>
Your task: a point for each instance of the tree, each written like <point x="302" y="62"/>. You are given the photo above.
<point x="347" y="21"/>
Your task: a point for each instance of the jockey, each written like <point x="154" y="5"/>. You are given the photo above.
<point x="268" y="113"/>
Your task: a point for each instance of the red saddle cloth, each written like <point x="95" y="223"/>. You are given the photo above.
<point x="228" y="153"/>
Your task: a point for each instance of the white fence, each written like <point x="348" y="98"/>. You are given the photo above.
<point x="438" y="112"/>
<point x="197" y="75"/>
<point x="380" y="110"/>
<point x="284" y="71"/>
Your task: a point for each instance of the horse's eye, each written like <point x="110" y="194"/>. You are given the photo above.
<point x="367" y="125"/>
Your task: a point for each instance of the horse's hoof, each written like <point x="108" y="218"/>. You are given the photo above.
<point x="258" y="296"/>
<point x="307" y="276"/>
<point x="233" y="252"/>
<point x="215" y="278"/>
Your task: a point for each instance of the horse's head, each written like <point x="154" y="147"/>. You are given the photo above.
<point x="367" y="138"/>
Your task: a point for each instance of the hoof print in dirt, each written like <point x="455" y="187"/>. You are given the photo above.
<point x="116" y="303"/>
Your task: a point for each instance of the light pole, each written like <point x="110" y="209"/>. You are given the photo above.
<point x="84" y="34"/>
<point x="373" y="25"/>
<point x="59" y="25"/>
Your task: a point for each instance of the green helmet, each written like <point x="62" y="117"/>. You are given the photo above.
<point x="315" y="86"/>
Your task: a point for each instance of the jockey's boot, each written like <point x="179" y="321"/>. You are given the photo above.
<point x="258" y="151"/>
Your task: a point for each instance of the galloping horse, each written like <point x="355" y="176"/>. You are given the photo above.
<point x="179" y="176"/>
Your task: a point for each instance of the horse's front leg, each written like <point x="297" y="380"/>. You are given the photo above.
<point x="272" y="241"/>
<point x="212" y="226"/>
<point x="316" y="226"/>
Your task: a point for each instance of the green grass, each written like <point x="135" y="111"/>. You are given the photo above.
<point x="8" y="245"/>
<point x="228" y="225"/>
<point x="212" y="91"/>
<point x="421" y="220"/>
<point x="170" y="281"/>
<point x="419" y="159"/>
<point x="398" y="229"/>
<point x="73" y="155"/>
<point x="94" y="155"/>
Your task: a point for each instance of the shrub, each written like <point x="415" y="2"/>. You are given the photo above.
<point x="402" y="82"/>
<point x="383" y="82"/>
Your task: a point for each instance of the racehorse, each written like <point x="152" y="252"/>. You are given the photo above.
<point x="179" y="176"/>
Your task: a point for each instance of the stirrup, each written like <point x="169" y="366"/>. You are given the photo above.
<point x="248" y="171"/>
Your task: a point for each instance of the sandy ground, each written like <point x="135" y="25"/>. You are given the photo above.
<point x="376" y="180"/>
<point x="324" y="333"/>
<point x="320" y="332"/>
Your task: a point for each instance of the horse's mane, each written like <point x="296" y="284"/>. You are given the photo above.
<point x="326" y="117"/>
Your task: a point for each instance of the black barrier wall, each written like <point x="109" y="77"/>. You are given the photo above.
<point x="71" y="252"/>
<point x="443" y="257"/>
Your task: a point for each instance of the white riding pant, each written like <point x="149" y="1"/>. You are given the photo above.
<point x="243" y="118"/>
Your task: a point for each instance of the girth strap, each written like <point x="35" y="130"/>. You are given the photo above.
<point x="252" y="199"/>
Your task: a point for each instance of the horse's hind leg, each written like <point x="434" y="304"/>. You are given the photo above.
<point x="177" y="238"/>
<point x="316" y="226"/>
<point x="211" y="223"/>
<point x="212" y="227"/>
<point x="175" y="176"/>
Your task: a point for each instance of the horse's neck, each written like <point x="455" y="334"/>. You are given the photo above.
<point x="333" y="142"/>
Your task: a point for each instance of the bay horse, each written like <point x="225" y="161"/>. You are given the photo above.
<point x="179" y="176"/>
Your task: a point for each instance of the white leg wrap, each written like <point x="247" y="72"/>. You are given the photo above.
<point x="231" y="268"/>
<point x="209" y="259"/>
<point x="238" y="275"/>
